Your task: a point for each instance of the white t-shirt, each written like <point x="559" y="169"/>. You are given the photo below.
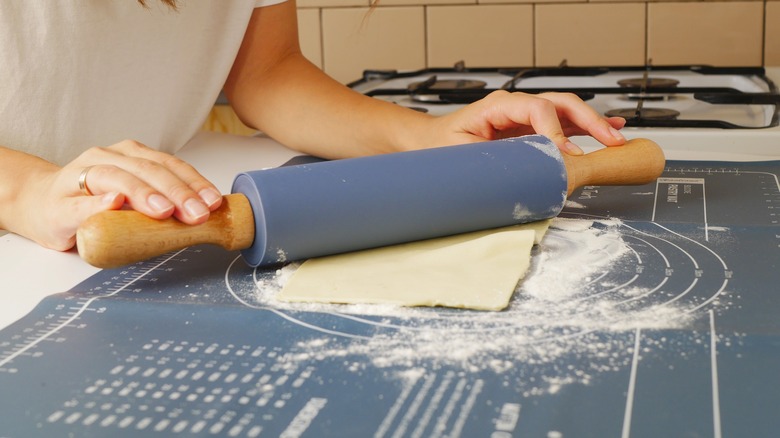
<point x="76" y="74"/>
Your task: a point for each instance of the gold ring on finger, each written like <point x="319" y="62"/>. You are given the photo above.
<point x="83" y="181"/>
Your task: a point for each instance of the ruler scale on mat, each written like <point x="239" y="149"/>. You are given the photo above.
<point x="191" y="344"/>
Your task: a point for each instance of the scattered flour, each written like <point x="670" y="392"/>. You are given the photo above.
<point x="269" y="286"/>
<point x="565" y="309"/>
<point x="572" y="204"/>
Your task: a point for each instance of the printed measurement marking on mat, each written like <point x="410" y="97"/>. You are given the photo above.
<point x="69" y="315"/>
<point x="710" y="195"/>
<point x="714" y="379"/>
<point x="673" y="192"/>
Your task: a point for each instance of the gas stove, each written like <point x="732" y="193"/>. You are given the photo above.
<point x="720" y="111"/>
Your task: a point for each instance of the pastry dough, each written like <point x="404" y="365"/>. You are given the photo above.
<point x="478" y="270"/>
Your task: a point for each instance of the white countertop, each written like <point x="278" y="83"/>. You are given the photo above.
<point x="31" y="272"/>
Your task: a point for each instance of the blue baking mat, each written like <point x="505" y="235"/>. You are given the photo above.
<point x="679" y="337"/>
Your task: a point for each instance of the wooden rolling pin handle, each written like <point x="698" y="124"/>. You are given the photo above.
<point x="639" y="161"/>
<point x="119" y="237"/>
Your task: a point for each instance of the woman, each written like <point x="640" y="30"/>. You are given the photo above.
<point x="81" y="77"/>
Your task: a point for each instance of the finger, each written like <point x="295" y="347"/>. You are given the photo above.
<point x="207" y="192"/>
<point x="542" y="115"/>
<point x="190" y="207"/>
<point x="584" y="119"/>
<point x="617" y="122"/>
<point x="150" y="187"/>
<point x="182" y="170"/>
<point x="571" y="129"/>
<point x="85" y="206"/>
<point x="77" y="210"/>
<point x="140" y="196"/>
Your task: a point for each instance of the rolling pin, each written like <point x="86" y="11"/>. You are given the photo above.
<point x="310" y="210"/>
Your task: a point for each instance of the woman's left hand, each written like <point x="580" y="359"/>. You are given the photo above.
<point x="502" y="114"/>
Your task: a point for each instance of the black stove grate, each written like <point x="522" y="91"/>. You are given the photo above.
<point x="431" y="91"/>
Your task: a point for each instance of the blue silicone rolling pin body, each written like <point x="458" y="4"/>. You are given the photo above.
<point x="331" y="207"/>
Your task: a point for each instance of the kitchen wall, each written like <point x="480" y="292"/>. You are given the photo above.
<point x="344" y="37"/>
<point x="408" y="34"/>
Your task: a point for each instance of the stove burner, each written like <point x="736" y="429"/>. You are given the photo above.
<point x="647" y="86"/>
<point x="428" y="91"/>
<point x="649" y="83"/>
<point x="644" y="113"/>
<point x="633" y="97"/>
<point x="447" y="84"/>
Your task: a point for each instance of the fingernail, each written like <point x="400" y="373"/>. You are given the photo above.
<point x="210" y="196"/>
<point x="616" y="134"/>
<point x="159" y="203"/>
<point x="195" y="208"/>
<point x="572" y="148"/>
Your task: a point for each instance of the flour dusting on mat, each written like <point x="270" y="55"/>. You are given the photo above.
<point x="567" y="306"/>
<point x="572" y="204"/>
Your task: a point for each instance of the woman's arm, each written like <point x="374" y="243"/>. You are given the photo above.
<point x="272" y="87"/>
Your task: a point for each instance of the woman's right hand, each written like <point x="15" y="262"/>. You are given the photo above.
<point x="52" y="205"/>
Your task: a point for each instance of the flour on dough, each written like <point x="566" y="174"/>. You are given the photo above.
<point x="478" y="270"/>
